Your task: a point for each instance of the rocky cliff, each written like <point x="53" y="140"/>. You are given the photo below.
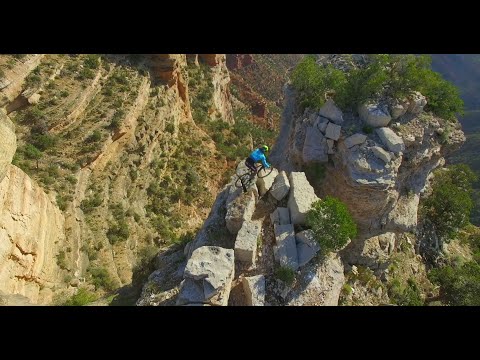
<point x="111" y="166"/>
<point x="31" y="228"/>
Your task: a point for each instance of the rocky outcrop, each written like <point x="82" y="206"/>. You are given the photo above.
<point x="373" y="252"/>
<point x="332" y="131"/>
<point x="355" y="139"/>
<point x="285" y="250"/>
<point x="220" y="81"/>
<point x="319" y="285"/>
<point x="280" y="187"/>
<point x="31" y="236"/>
<point x="417" y="103"/>
<point x="168" y="68"/>
<point x="254" y="289"/>
<point x="330" y="111"/>
<point x="315" y="146"/>
<point x="392" y="141"/>
<point x="8" y="143"/>
<point x="238" y="61"/>
<point x="281" y="216"/>
<point x="14" y="79"/>
<point x="239" y="210"/>
<point x="307" y="246"/>
<point x="380" y="153"/>
<point x="208" y="277"/>
<point x="378" y="175"/>
<point x="264" y="183"/>
<point x="246" y="242"/>
<point x="301" y="197"/>
<point x="374" y="115"/>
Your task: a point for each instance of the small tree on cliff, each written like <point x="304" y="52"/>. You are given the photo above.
<point x="448" y="207"/>
<point x="31" y="152"/>
<point x="331" y="224"/>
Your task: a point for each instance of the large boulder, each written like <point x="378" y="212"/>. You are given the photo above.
<point x="265" y="183"/>
<point x="239" y="210"/>
<point x="398" y="108"/>
<point x="331" y="112"/>
<point x="392" y="141"/>
<point x="374" y="115"/>
<point x="315" y="146"/>
<point x="246" y="242"/>
<point x="355" y="139"/>
<point x="307" y="246"/>
<point x="280" y="187"/>
<point x="319" y="285"/>
<point x="285" y="251"/>
<point x="208" y="277"/>
<point x="281" y="216"/>
<point x="380" y="153"/>
<point x="301" y="197"/>
<point x="254" y="289"/>
<point x="333" y="131"/>
<point x="8" y="142"/>
<point x="417" y="103"/>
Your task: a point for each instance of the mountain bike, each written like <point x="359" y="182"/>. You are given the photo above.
<point x="247" y="177"/>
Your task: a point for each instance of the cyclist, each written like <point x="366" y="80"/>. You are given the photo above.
<point x="258" y="155"/>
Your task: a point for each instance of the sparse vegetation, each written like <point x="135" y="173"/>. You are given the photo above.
<point x="448" y="207"/>
<point x="101" y="279"/>
<point x="405" y="295"/>
<point x="286" y="274"/>
<point x="81" y="298"/>
<point x="331" y="223"/>
<point x="390" y="76"/>
<point x="118" y="232"/>
<point x="87" y="205"/>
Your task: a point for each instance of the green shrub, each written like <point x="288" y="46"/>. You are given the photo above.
<point x="87" y="205"/>
<point x="91" y="61"/>
<point x="118" y="232"/>
<point x="367" y="129"/>
<point x="460" y="285"/>
<point x="61" y="260"/>
<point x="71" y="179"/>
<point x="44" y="142"/>
<point x="81" y="298"/>
<point x="101" y="279"/>
<point x="170" y="128"/>
<point x="33" y="80"/>
<point x="31" y="152"/>
<point x="405" y="295"/>
<point x="96" y="136"/>
<point x="117" y="119"/>
<point x="286" y="274"/>
<point x="392" y="76"/>
<point x="61" y="202"/>
<point x="449" y="206"/>
<point x="331" y="224"/>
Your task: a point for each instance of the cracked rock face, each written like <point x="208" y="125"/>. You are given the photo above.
<point x="208" y="277"/>
<point x="31" y="234"/>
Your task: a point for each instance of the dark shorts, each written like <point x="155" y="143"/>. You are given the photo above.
<point x="250" y="164"/>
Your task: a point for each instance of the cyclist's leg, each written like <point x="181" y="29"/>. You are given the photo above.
<point x="250" y="164"/>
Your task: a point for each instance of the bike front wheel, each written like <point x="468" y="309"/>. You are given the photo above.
<point x="262" y="172"/>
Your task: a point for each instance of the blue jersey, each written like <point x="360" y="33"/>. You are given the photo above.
<point x="257" y="156"/>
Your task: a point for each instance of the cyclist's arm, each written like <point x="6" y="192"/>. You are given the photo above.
<point x="264" y="162"/>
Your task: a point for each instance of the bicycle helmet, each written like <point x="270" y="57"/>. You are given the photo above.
<point x="264" y="148"/>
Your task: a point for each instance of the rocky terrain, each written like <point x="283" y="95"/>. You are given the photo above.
<point x="378" y="163"/>
<point x="116" y="168"/>
<point x="110" y="159"/>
